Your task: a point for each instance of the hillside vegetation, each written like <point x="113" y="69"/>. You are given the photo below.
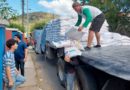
<point x="36" y="21"/>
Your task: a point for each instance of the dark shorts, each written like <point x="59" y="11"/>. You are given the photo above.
<point x="97" y="23"/>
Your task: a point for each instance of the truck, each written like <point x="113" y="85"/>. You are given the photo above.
<point x="43" y="41"/>
<point x="105" y="68"/>
<point x="36" y="35"/>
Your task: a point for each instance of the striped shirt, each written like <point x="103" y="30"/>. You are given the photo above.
<point x="8" y="60"/>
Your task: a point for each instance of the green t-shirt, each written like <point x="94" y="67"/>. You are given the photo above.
<point x="87" y="15"/>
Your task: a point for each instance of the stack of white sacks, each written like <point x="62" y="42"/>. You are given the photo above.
<point x="109" y="38"/>
<point x="62" y="33"/>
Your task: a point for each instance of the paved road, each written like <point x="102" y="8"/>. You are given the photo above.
<point x="46" y="73"/>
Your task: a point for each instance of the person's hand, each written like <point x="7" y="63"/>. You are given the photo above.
<point x="25" y="59"/>
<point x="67" y="59"/>
<point x="17" y="72"/>
<point x="11" y="83"/>
<point x="80" y="28"/>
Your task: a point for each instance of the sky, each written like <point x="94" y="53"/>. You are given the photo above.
<point x="60" y="7"/>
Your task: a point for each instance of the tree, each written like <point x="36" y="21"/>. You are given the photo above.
<point x="116" y="12"/>
<point x="6" y="12"/>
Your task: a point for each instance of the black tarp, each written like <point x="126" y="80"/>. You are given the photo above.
<point x="114" y="60"/>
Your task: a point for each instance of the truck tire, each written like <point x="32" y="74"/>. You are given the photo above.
<point x="35" y="50"/>
<point x="61" y="71"/>
<point x="41" y="50"/>
<point x="50" y="53"/>
<point x="86" y="80"/>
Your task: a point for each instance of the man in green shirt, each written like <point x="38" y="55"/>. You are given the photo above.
<point x="90" y="14"/>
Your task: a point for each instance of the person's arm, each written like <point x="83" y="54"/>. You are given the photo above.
<point x="7" y="60"/>
<point x="79" y="20"/>
<point x="8" y="72"/>
<point x="88" y="15"/>
<point x="25" y="51"/>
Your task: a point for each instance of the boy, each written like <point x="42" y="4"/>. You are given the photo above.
<point x="11" y="77"/>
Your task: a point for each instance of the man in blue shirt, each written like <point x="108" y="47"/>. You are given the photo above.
<point x="20" y="54"/>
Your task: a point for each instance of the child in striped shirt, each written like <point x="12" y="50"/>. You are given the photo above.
<point x="11" y="76"/>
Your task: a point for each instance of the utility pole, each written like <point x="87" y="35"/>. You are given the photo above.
<point x="22" y="1"/>
<point x="27" y="29"/>
<point x="53" y="16"/>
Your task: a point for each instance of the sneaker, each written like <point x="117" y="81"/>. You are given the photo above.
<point x="97" y="46"/>
<point x="87" y="48"/>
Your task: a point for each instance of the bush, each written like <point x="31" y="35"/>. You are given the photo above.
<point x="38" y="25"/>
<point x="14" y="25"/>
<point x="112" y="9"/>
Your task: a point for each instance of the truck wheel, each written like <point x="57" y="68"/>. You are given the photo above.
<point x="49" y="57"/>
<point x="47" y="51"/>
<point x="42" y="51"/>
<point x="50" y="53"/>
<point x="36" y="51"/>
<point x="86" y="80"/>
<point x="61" y="71"/>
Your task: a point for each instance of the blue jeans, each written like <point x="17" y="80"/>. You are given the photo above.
<point x="18" y="80"/>
<point x="70" y="80"/>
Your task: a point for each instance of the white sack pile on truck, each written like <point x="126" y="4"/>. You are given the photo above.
<point x="61" y="33"/>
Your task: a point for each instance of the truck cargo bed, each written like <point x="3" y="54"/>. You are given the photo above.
<point x="114" y="60"/>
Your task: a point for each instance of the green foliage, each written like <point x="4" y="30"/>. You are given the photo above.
<point x="38" y="25"/>
<point x="6" y="12"/>
<point x="122" y="5"/>
<point x="36" y="20"/>
<point x="19" y="26"/>
<point x="116" y="14"/>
